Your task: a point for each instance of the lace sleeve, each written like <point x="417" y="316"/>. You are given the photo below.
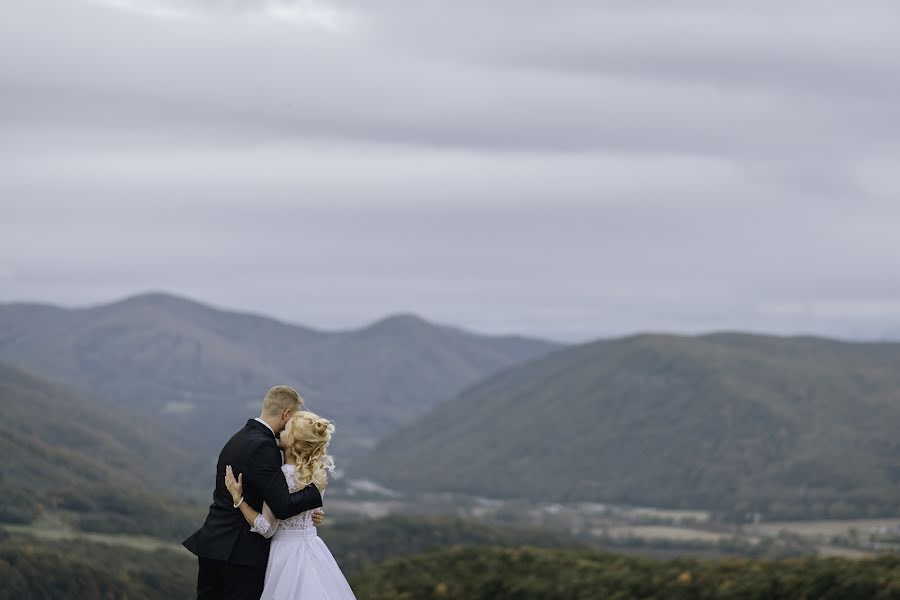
<point x="265" y="523"/>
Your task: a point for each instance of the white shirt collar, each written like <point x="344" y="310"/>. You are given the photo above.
<point x="269" y="427"/>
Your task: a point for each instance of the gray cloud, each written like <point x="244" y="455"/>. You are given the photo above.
<point x="568" y="169"/>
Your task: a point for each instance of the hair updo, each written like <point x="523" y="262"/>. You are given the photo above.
<point x="307" y="443"/>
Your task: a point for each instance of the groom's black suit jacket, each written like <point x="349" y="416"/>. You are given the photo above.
<point x="226" y="535"/>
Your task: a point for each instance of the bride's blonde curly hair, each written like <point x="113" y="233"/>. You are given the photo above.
<point x="308" y="436"/>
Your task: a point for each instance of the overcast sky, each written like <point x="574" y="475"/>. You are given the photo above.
<point x="566" y="169"/>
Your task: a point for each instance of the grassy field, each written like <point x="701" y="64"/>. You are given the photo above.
<point x="823" y="530"/>
<point x="663" y="532"/>
<point x="54" y="527"/>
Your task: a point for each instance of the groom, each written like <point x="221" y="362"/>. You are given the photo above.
<point x="232" y="559"/>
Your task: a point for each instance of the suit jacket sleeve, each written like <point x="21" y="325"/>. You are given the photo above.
<point x="266" y="476"/>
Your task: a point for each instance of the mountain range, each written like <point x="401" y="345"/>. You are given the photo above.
<point x="203" y="371"/>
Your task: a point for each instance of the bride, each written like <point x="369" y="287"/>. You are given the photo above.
<point x="300" y="564"/>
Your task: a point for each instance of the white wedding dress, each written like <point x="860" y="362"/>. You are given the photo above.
<point x="301" y="566"/>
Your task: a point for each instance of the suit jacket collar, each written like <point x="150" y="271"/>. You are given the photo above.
<point x="261" y="426"/>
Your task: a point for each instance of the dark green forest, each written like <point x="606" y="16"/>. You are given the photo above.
<point x="31" y="570"/>
<point x="526" y="573"/>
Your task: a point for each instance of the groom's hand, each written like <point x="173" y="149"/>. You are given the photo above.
<point x="318" y="516"/>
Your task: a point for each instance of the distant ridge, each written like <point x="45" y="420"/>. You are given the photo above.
<point x="788" y="427"/>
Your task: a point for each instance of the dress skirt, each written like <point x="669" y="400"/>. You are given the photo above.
<point x="301" y="567"/>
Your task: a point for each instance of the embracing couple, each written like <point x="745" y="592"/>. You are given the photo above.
<point x="260" y="502"/>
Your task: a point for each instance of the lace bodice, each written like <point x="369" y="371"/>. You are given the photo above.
<point x="304" y="519"/>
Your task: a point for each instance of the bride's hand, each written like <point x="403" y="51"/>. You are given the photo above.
<point x="235" y="486"/>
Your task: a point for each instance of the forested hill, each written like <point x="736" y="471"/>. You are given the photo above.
<point x="789" y="427"/>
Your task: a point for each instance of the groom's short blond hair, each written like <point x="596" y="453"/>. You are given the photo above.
<point x="280" y="398"/>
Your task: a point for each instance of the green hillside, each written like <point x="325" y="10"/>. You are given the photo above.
<point x="468" y="573"/>
<point x="190" y="364"/>
<point x="789" y="427"/>
<point x="98" y="467"/>
<point x="88" y="570"/>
